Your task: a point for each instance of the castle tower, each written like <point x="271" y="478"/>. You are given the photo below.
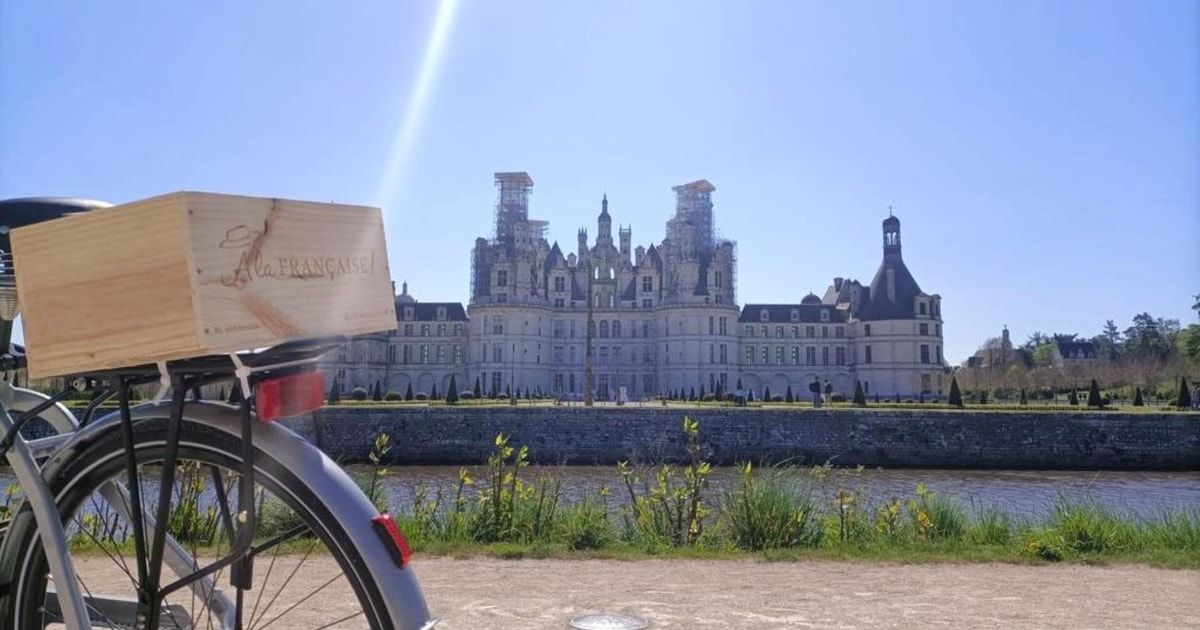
<point x="604" y="225"/>
<point x="626" y="236"/>
<point x="512" y="207"/>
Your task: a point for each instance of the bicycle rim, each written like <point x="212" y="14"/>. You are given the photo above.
<point x="305" y="573"/>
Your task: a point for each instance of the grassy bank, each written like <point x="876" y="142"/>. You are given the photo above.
<point x="668" y="511"/>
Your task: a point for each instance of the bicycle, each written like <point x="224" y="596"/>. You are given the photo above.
<point x="179" y="494"/>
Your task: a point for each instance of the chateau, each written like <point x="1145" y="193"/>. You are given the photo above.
<point x="653" y="319"/>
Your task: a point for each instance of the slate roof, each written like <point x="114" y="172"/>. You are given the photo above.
<point x="878" y="306"/>
<point x="427" y="311"/>
<point x="782" y="314"/>
<point x="1084" y="349"/>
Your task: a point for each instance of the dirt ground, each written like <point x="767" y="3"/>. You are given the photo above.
<point x="529" y="594"/>
<point x="486" y="594"/>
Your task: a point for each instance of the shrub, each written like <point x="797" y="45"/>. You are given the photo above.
<point x="1087" y="527"/>
<point x="860" y="399"/>
<point x="393" y="396"/>
<point x="1094" y="399"/>
<point x="452" y="391"/>
<point x="422" y="396"/>
<point x="709" y="397"/>
<point x="1137" y="398"/>
<point x="466" y="396"/>
<point x="766" y="514"/>
<point x="955" y="395"/>
<point x="777" y="399"/>
<point x="1184" y="399"/>
<point x="358" y="393"/>
<point x="837" y="398"/>
<point x="585" y="525"/>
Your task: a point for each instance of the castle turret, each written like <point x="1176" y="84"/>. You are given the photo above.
<point x="583" y="245"/>
<point x="604" y="225"/>
<point x="626" y="236"/>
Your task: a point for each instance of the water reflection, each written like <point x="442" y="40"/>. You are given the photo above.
<point x="1023" y="494"/>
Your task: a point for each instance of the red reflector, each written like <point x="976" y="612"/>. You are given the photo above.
<point x="392" y="539"/>
<point x="288" y="396"/>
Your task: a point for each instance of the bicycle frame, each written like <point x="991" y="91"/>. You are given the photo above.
<point x="401" y="595"/>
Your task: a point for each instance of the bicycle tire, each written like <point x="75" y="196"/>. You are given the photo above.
<point x="104" y="457"/>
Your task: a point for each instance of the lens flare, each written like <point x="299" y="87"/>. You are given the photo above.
<point x="406" y="135"/>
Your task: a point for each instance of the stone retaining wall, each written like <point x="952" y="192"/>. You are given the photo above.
<point x="887" y="438"/>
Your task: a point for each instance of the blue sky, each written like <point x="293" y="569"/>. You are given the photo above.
<point x="1044" y="157"/>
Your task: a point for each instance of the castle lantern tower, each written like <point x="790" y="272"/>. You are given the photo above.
<point x="891" y="236"/>
<point x="604" y="224"/>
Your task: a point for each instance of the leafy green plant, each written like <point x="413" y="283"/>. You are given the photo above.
<point x="766" y="514"/>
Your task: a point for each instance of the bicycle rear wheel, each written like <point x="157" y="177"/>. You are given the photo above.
<point x="306" y="572"/>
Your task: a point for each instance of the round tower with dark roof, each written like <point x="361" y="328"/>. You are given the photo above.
<point x="898" y="328"/>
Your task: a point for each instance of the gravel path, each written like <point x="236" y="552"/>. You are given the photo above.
<point x="490" y="593"/>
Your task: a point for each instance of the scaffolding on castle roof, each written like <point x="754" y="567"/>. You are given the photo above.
<point x="512" y="204"/>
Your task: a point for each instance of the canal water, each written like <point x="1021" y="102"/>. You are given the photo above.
<point x="1022" y="494"/>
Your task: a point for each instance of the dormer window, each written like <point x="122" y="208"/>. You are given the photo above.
<point x="409" y="312"/>
<point x="764" y="316"/>
<point x="824" y="315"/>
<point x="441" y="313"/>
<point x="921" y="307"/>
<point x="795" y="315"/>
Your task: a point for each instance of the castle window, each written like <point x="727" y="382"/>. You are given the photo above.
<point x="391" y="354"/>
<point x="502" y="278"/>
<point x="840" y="355"/>
<point x="458" y="354"/>
<point x="717" y="279"/>
<point x="795" y="355"/>
<point x="764" y="316"/>
<point x="647" y="284"/>
<point x="424" y="330"/>
<point x="766" y="355"/>
<point x="867" y="354"/>
<point x="724" y="354"/>
<point x="750" y="355"/>
<point x="779" y="332"/>
<point x="937" y="330"/>
<point x="407" y="355"/>
<point x="810" y="331"/>
<point x="458" y="330"/>
<point x="711" y="324"/>
<point x="616" y="329"/>
<point x="612" y="300"/>
<point x="721" y="326"/>
<point x="810" y="355"/>
<point x="795" y="332"/>
<point x="764" y="332"/>
<point x="924" y="353"/>
<point x="424" y="353"/>
<point x="923" y="329"/>
<point x="921" y="307"/>
<point x="560" y="284"/>
<point x="866" y="330"/>
<point x="717" y="299"/>
<point x="938" y="354"/>
<point x="824" y="315"/>
<point x="441" y="330"/>
<point x="647" y="303"/>
<point x="779" y="355"/>
<point x="603" y="329"/>
<point x="824" y="332"/>
<point x="497" y="325"/>
<point x="839" y="332"/>
<point x="441" y="353"/>
<point x="409" y="312"/>
<point x="795" y="315"/>
<point x="502" y="298"/>
<point x="712" y="353"/>
<point x="825" y="355"/>
<point x="408" y="330"/>
<point x="497" y="353"/>
<point x="559" y="302"/>
<point x="441" y="313"/>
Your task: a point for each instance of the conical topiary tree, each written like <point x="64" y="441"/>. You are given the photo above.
<point x="1184" y="399"/>
<point x="702" y="391"/>
<point x="692" y="394"/>
<point x="766" y="394"/>
<point x="377" y="395"/>
<point x="434" y="395"/>
<point x="335" y="393"/>
<point x="1024" y="399"/>
<point x="478" y="389"/>
<point x="955" y="394"/>
<point x="1137" y="398"/>
<point x="789" y="397"/>
<point x="860" y="399"/>
<point x="408" y="394"/>
<point x="750" y="395"/>
<point x="739" y="383"/>
<point x="1073" y="398"/>
<point x="921" y="398"/>
<point x="452" y="391"/>
<point x="1094" y="399"/>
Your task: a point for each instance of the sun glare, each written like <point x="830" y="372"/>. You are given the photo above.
<point x="397" y="162"/>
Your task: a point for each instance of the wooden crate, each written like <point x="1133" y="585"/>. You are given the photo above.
<point x="189" y="274"/>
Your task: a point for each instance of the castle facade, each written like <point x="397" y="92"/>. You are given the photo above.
<point x="649" y="320"/>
